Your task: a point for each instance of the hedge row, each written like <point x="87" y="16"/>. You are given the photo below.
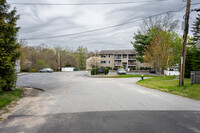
<point x="96" y="71"/>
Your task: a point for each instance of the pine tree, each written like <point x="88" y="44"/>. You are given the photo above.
<point x="193" y="52"/>
<point x="196" y="29"/>
<point x="8" y="45"/>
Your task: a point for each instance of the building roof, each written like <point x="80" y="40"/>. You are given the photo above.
<point x="117" y="52"/>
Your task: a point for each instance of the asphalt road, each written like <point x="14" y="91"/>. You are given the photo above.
<point x="74" y="103"/>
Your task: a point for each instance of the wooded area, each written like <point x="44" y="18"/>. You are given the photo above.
<point x="158" y="44"/>
<point x="34" y="58"/>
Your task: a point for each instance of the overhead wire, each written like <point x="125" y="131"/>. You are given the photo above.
<point x="104" y="28"/>
<point x="80" y="4"/>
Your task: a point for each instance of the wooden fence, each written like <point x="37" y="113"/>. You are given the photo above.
<point x="195" y="77"/>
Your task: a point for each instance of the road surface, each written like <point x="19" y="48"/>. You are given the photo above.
<point x="75" y="103"/>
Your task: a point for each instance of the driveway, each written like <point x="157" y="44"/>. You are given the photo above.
<point x="73" y="102"/>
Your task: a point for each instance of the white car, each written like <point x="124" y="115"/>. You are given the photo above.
<point x="121" y="71"/>
<point x="46" y="70"/>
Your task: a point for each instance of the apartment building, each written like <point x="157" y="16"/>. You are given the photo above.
<point x="117" y="58"/>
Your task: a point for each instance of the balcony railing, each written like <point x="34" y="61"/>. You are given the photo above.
<point x="117" y="64"/>
<point x="131" y="58"/>
<point x="117" y="58"/>
<point x="131" y="64"/>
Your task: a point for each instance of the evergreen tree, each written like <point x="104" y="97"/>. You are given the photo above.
<point x="141" y="41"/>
<point x="196" y="29"/>
<point x="192" y="60"/>
<point x="8" y="45"/>
<point x="193" y="52"/>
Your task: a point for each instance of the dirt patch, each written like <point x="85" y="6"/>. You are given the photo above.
<point x="29" y="96"/>
<point x="30" y="92"/>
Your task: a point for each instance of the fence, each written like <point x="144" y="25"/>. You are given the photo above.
<point x="195" y="77"/>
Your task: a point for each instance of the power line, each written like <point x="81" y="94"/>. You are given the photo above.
<point x="80" y="4"/>
<point x="88" y="31"/>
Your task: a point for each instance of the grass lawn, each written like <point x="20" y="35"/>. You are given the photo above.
<point x="7" y="97"/>
<point x="127" y="76"/>
<point x="168" y="84"/>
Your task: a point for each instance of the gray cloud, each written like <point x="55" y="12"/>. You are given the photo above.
<point x="42" y="21"/>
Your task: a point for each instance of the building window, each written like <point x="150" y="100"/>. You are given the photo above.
<point x="103" y="62"/>
<point x="125" y="56"/>
<point x="117" y="56"/>
<point x="105" y="56"/>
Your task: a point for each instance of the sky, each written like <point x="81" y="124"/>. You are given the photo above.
<point x="40" y="21"/>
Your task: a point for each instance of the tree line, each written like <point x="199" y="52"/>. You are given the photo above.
<point x="34" y="58"/>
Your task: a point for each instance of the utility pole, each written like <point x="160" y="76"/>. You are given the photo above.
<point x="182" y="71"/>
<point x="58" y="61"/>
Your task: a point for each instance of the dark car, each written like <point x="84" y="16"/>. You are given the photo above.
<point x="152" y="71"/>
<point x="46" y="70"/>
<point x="100" y="71"/>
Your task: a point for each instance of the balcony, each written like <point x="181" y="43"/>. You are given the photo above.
<point x="117" y="57"/>
<point x="131" y="57"/>
<point x="132" y="64"/>
<point x="117" y="64"/>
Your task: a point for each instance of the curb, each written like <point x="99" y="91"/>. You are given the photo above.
<point x="18" y="74"/>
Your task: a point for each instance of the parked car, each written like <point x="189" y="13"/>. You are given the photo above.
<point x="121" y="71"/>
<point x="152" y="71"/>
<point x="46" y="70"/>
<point x="100" y="71"/>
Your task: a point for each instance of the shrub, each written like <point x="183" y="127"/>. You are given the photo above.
<point x="94" y="71"/>
<point x="32" y="70"/>
<point x="25" y="70"/>
<point x="2" y="84"/>
<point x="109" y="68"/>
<point x="106" y="71"/>
<point x="133" y="68"/>
<point x="141" y="68"/>
<point x="115" y="68"/>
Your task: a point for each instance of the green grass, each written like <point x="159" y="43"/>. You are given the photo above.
<point x="127" y="76"/>
<point x="168" y="84"/>
<point x="7" y="97"/>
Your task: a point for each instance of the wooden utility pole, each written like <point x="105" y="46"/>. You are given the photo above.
<point x="58" y="63"/>
<point x="182" y="71"/>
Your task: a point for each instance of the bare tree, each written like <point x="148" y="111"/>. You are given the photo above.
<point x="166" y="22"/>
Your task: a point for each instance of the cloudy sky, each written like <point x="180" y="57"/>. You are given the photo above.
<point x="41" y="21"/>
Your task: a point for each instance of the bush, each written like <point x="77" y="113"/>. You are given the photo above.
<point x="2" y="84"/>
<point x="133" y="68"/>
<point x="115" y="68"/>
<point x="109" y="68"/>
<point x="142" y="68"/>
<point x="25" y="70"/>
<point x="32" y="70"/>
<point x="106" y="71"/>
<point x="94" y="71"/>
